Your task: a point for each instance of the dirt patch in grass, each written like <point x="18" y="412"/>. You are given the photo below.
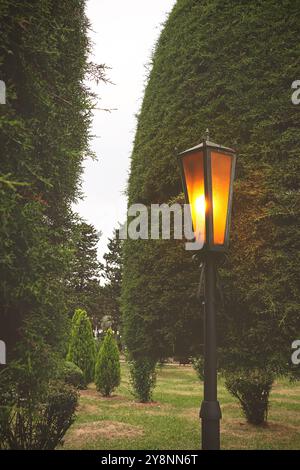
<point x="152" y="408"/>
<point x="287" y="392"/>
<point x="148" y="404"/>
<point x="78" y="436"/>
<point x="191" y="413"/>
<point x="230" y="406"/>
<point x="89" y="408"/>
<point x="155" y="413"/>
<point x="240" y="431"/>
<point x="183" y="393"/>
<point x="92" y="393"/>
<point x="241" y="435"/>
<point x="177" y="367"/>
<point x="284" y="415"/>
<point x="123" y="401"/>
<point x="285" y="401"/>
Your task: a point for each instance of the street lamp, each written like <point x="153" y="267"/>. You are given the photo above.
<point x="207" y="172"/>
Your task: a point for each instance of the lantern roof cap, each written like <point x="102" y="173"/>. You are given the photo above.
<point x="207" y="143"/>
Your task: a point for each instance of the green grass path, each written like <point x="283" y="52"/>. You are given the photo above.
<point x="171" y="422"/>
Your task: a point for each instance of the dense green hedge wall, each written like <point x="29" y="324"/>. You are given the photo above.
<point x="226" y="65"/>
<point x="44" y="129"/>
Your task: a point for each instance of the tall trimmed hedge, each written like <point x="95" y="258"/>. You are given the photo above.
<point x="227" y="66"/>
<point x="44" y="136"/>
<point x="44" y="131"/>
<point x="82" y="345"/>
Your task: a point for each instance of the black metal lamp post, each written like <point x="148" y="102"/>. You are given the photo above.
<point x="207" y="172"/>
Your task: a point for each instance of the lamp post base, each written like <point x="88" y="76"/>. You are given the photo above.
<point x="210" y="414"/>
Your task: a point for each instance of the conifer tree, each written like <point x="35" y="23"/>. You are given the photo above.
<point x="82" y="345"/>
<point x="112" y="274"/>
<point x="107" y="371"/>
<point x="84" y="286"/>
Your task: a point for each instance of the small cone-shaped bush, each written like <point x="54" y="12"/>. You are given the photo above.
<point x="142" y="378"/>
<point x="82" y="345"/>
<point x="107" y="373"/>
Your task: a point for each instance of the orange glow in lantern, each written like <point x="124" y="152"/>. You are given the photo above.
<point x="207" y="174"/>
<point x="194" y="177"/>
<point x="200" y="206"/>
<point x="220" y="172"/>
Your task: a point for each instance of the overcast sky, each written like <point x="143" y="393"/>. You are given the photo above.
<point x="124" y="33"/>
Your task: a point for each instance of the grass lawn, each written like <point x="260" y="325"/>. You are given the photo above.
<point x="171" y="421"/>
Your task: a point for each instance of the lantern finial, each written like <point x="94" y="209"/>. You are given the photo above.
<point x="207" y="134"/>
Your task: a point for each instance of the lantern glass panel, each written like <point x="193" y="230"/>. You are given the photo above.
<point x="221" y="175"/>
<point x="194" y="177"/>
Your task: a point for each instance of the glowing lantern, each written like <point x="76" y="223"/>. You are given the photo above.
<point x="207" y="175"/>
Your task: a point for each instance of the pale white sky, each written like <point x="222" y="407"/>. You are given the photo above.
<point x="124" y="34"/>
